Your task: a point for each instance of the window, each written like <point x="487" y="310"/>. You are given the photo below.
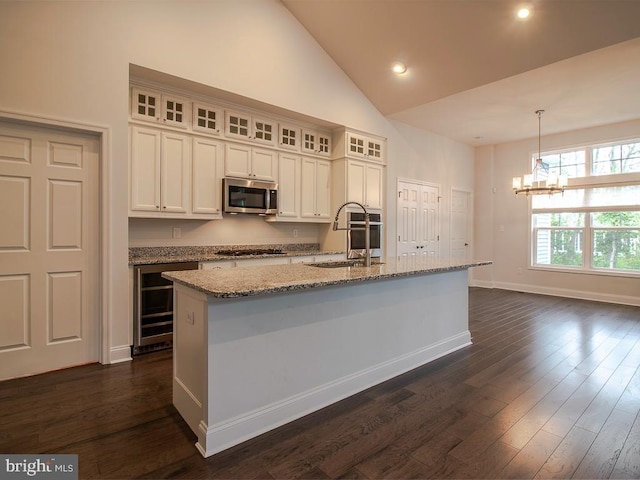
<point x="594" y="226"/>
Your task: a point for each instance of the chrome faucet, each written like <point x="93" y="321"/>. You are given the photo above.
<point x="367" y="257"/>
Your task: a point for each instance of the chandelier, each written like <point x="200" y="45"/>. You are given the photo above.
<point x="529" y="184"/>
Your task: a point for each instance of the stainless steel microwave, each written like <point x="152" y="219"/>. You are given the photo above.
<point x="249" y="196"/>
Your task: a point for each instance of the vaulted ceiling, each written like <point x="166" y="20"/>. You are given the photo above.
<point x="476" y="73"/>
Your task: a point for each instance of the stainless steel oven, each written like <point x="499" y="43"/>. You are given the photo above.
<point x="153" y="306"/>
<point x="356" y="238"/>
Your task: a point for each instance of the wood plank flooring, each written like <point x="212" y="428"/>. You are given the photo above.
<point x="550" y="388"/>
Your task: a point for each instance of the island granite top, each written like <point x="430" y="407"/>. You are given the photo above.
<point x="269" y="279"/>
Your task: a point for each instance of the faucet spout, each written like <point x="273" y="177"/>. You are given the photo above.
<point x="367" y="228"/>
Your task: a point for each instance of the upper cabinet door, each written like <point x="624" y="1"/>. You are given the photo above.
<point x="289" y="137"/>
<point x="145" y="170"/>
<point x="264" y="164"/>
<point x="146" y="105"/>
<point x="206" y="180"/>
<point x="175" y="111"/>
<point x="207" y="119"/>
<point x="288" y="185"/>
<point x="264" y="131"/>
<point x="355" y="145"/>
<point x="237" y="162"/>
<point x="238" y="125"/>
<point x="374" y="186"/>
<point x="175" y="162"/>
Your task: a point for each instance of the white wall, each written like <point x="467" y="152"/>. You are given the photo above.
<point x="70" y="61"/>
<point x="427" y="157"/>
<point x="502" y="222"/>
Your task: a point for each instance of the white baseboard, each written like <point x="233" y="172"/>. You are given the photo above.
<point x="223" y="435"/>
<point x="563" y="292"/>
<point x="120" y="354"/>
<point x="481" y="283"/>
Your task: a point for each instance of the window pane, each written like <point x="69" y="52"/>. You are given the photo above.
<point x="559" y="247"/>
<point x="615" y="219"/>
<point x="616" y="159"/>
<point x="558" y="220"/>
<point x="571" y="164"/>
<point x="617" y="249"/>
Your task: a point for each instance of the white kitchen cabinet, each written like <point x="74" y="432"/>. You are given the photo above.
<point x="160" y="166"/>
<point x="246" y="127"/>
<point x="316" y="143"/>
<point x="318" y="258"/>
<point x="289" y="137"/>
<point x="253" y="262"/>
<point x="315" y="187"/>
<point x="244" y="161"/>
<point x="206" y="185"/>
<point x="364" y="147"/>
<point x="156" y="107"/>
<point x="207" y="119"/>
<point x="364" y="183"/>
<point x="288" y="186"/>
<point x="359" y="146"/>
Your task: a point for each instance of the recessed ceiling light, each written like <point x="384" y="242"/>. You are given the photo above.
<point x="399" y="68"/>
<point x="524" y="12"/>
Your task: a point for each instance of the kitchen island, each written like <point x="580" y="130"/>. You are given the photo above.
<point x="257" y="347"/>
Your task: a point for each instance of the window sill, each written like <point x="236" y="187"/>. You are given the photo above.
<point x="586" y="271"/>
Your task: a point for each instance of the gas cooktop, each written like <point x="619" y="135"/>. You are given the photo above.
<point x="257" y="251"/>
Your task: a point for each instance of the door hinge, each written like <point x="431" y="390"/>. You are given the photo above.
<point x="399" y="194"/>
<point x="438" y="238"/>
<point x="439" y="197"/>
<point x="398" y="237"/>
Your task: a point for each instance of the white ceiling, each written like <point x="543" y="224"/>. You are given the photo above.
<point x="476" y="73"/>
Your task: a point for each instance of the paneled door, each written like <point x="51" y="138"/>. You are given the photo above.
<point x="418" y="219"/>
<point x="460" y="223"/>
<point x="49" y="263"/>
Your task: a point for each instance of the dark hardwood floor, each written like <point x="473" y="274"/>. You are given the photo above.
<point x="550" y="388"/>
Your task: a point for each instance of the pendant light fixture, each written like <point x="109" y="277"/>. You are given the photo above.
<point x="529" y="184"/>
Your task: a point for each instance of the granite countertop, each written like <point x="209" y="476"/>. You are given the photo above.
<point x="261" y="280"/>
<point x="178" y="254"/>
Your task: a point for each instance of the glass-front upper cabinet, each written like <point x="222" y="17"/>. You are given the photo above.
<point x="245" y="127"/>
<point x="157" y="107"/>
<point x="289" y="137"/>
<point x="316" y="143"/>
<point x="208" y="119"/>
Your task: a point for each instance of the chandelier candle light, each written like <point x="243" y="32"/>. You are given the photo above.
<point x="529" y="184"/>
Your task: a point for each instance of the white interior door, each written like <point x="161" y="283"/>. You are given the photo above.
<point x="49" y="264"/>
<point x="418" y="219"/>
<point x="460" y="224"/>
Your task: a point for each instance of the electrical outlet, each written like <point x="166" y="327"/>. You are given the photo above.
<point x="295" y="233"/>
<point x="177" y="232"/>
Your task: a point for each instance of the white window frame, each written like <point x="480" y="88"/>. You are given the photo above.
<point x="586" y="182"/>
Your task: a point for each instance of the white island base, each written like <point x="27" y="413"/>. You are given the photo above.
<point x="243" y="366"/>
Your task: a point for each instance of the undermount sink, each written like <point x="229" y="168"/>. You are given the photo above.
<point x="338" y="264"/>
